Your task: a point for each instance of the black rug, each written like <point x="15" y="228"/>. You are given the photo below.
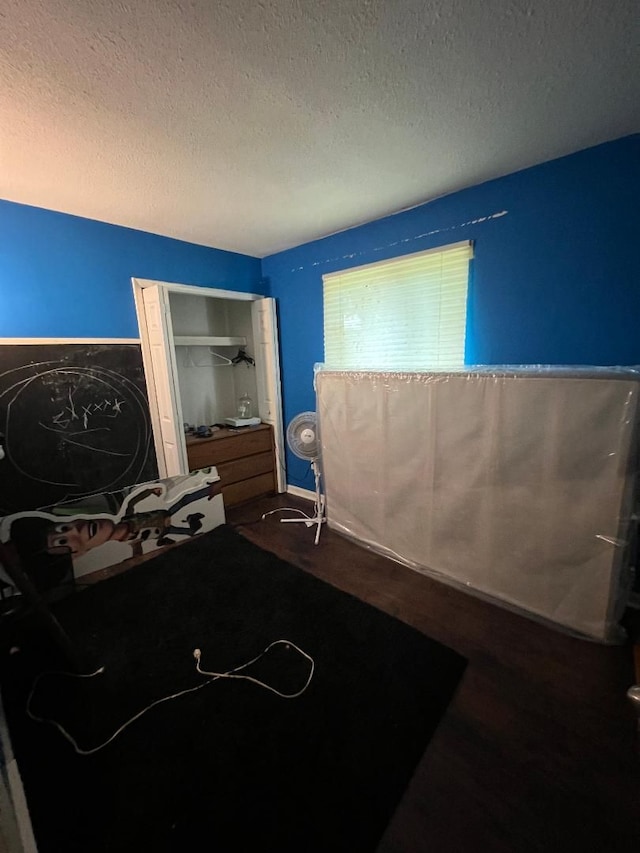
<point x="231" y="767"/>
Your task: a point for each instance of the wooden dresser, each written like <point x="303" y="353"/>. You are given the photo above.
<point x="244" y="457"/>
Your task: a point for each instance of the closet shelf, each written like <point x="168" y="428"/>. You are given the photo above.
<point x="209" y="341"/>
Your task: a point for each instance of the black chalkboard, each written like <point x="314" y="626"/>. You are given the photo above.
<point x="74" y="421"/>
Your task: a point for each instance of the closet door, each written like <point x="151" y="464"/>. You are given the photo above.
<point x="164" y="376"/>
<point x="265" y="342"/>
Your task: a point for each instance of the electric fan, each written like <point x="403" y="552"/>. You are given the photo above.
<point x="302" y="438"/>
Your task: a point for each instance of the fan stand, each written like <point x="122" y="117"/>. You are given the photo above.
<point x="318" y="516"/>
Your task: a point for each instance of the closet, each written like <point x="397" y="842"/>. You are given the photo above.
<point x="203" y="349"/>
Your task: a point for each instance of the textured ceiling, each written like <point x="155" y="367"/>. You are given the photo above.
<point x="255" y="126"/>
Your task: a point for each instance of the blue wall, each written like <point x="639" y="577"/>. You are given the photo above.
<point x="67" y="277"/>
<point x="554" y="280"/>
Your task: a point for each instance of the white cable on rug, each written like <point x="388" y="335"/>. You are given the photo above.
<point x="232" y="673"/>
<point x="287" y="509"/>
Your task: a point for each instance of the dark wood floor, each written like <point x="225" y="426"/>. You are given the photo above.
<point x="539" y="748"/>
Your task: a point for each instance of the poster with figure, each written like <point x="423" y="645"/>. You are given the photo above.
<point x="73" y="539"/>
<point x="74" y="421"/>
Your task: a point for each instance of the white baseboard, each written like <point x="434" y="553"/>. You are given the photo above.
<point x="301" y="493"/>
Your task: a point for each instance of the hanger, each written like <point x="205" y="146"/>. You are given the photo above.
<point x="242" y="357"/>
<point x="189" y="362"/>
<point x="224" y="359"/>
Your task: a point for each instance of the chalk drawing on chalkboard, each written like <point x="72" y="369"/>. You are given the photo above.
<point x="82" y="402"/>
<point x="72" y="427"/>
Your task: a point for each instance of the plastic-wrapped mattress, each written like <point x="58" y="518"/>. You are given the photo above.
<point x="517" y="484"/>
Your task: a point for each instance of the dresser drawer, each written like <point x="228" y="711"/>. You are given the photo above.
<point x="213" y="451"/>
<point x="243" y="469"/>
<point x="245" y="490"/>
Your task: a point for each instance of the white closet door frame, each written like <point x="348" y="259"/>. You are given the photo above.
<point x="165" y="387"/>
<point x="265" y="341"/>
<point x="161" y="373"/>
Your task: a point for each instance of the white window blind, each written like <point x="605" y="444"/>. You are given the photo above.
<point x="406" y="313"/>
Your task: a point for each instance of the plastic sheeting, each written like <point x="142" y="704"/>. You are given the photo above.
<point x="518" y="484"/>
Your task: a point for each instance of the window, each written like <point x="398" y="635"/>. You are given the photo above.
<point x="406" y="313"/>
